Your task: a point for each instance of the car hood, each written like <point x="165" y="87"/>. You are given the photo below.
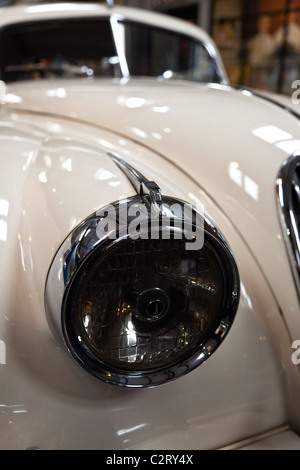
<point x="185" y="122"/>
<point x="231" y="143"/>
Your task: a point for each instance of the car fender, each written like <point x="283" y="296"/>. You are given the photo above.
<point x="60" y="177"/>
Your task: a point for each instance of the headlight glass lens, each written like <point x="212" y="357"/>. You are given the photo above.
<point x="145" y="304"/>
<point x="138" y="312"/>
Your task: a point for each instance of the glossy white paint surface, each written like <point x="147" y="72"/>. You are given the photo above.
<point x="60" y="175"/>
<point x="234" y="159"/>
<point x="198" y="143"/>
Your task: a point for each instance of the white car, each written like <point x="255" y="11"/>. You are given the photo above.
<point x="149" y="240"/>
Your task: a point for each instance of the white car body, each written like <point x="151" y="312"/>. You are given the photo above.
<point x="200" y="142"/>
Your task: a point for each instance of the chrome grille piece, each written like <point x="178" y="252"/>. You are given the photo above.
<point x="288" y="194"/>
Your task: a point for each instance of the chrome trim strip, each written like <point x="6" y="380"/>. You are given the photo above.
<point x="270" y="100"/>
<point x="286" y="184"/>
<point x="249" y="92"/>
<point x="118" y="32"/>
<point x="258" y="437"/>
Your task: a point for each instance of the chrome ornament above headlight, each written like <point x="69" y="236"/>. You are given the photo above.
<point x="140" y="309"/>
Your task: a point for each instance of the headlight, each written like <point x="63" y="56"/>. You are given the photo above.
<point x="141" y="311"/>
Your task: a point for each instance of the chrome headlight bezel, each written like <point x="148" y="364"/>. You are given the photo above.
<point x="179" y="309"/>
<point x="80" y="251"/>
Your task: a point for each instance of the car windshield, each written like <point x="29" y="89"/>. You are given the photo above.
<point x="156" y="52"/>
<point x="91" y="48"/>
